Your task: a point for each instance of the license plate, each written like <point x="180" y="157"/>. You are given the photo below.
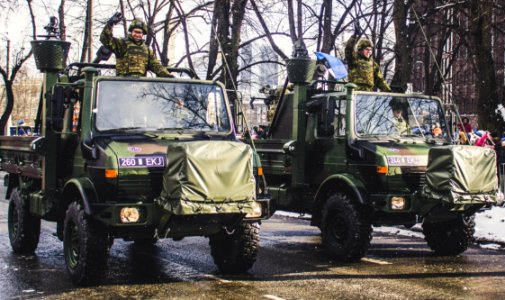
<point x="142" y="162"/>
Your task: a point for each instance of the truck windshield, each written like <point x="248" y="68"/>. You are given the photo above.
<point x="379" y="115"/>
<point x="156" y="105"/>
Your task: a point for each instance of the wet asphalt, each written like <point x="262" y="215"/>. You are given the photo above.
<point x="291" y="265"/>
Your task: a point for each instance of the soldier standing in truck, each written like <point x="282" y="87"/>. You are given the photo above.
<point x="363" y="70"/>
<point x="133" y="55"/>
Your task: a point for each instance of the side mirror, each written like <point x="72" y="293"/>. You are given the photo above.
<point x="325" y="126"/>
<point x="290" y="147"/>
<point x="89" y="149"/>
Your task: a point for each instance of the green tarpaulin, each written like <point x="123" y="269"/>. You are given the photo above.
<point x="461" y="174"/>
<point x="208" y="177"/>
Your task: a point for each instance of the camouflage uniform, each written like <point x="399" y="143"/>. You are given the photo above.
<point x="133" y="58"/>
<point x="401" y="125"/>
<point x="364" y="72"/>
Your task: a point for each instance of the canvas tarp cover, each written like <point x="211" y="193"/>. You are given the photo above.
<point x="461" y="174"/>
<point x="208" y="177"/>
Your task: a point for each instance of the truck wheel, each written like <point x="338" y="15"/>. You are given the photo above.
<point x="346" y="230"/>
<point x="451" y="237"/>
<point x="236" y="252"/>
<point x="85" y="246"/>
<point x="24" y="228"/>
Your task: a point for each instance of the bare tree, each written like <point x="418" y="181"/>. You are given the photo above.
<point x="329" y="31"/>
<point x="9" y="75"/>
<point x="481" y="13"/>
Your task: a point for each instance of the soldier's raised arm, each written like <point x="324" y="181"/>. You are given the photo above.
<point x="107" y="38"/>
<point x="350" y="46"/>
<point x="350" y="53"/>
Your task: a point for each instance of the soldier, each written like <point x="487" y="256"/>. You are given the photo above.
<point x="399" y="122"/>
<point x="133" y="55"/>
<point x="363" y="70"/>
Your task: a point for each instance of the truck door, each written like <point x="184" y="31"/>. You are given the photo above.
<point x="328" y="154"/>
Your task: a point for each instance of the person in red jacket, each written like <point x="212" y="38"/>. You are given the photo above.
<point x="466" y="124"/>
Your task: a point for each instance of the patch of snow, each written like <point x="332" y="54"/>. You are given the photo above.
<point x="489" y="227"/>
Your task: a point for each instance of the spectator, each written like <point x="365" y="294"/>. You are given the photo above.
<point x="246" y="135"/>
<point x="501" y="151"/>
<point x="262" y="133"/>
<point x="466" y="124"/>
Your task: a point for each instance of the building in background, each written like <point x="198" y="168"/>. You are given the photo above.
<point x="264" y="71"/>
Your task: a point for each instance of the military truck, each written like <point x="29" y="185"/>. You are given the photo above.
<point x="133" y="158"/>
<point x="339" y="155"/>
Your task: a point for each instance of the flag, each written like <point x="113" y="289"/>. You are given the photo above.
<point x="336" y="65"/>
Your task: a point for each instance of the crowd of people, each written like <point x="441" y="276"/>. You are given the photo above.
<point x="257" y="132"/>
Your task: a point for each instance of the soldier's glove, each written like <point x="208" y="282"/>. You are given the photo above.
<point x="116" y="18"/>
<point x="357" y="29"/>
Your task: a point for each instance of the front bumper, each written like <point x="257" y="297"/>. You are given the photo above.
<point x="151" y="213"/>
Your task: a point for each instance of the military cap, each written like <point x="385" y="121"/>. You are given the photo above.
<point x="137" y="23"/>
<point x="364" y="43"/>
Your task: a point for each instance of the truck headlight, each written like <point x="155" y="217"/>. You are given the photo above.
<point x="398" y="203"/>
<point x="129" y="214"/>
<point x="257" y="210"/>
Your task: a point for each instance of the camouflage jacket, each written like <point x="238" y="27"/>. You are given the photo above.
<point x="401" y="126"/>
<point x="364" y="72"/>
<point x="132" y="57"/>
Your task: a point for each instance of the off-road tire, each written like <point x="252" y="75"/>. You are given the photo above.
<point x="85" y="247"/>
<point x="235" y="252"/>
<point x="450" y="237"/>
<point x="24" y="228"/>
<point x="346" y="228"/>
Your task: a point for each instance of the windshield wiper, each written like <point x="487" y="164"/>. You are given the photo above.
<point x="198" y="126"/>
<point x="121" y="129"/>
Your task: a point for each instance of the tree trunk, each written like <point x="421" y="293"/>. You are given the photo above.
<point x="402" y="47"/>
<point x="61" y="15"/>
<point x="480" y="27"/>
<point x="9" y="104"/>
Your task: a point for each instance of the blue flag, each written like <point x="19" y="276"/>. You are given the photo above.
<point x="336" y="65"/>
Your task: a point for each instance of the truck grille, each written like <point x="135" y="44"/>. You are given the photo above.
<point x="412" y="181"/>
<point x="148" y="185"/>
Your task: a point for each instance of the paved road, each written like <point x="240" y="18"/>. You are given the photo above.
<point x="291" y="265"/>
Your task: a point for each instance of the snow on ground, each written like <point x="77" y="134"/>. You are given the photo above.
<point x="489" y="227"/>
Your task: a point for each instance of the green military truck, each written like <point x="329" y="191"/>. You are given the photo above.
<point x="133" y="158"/>
<point x="342" y="156"/>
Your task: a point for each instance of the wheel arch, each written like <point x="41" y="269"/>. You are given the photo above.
<point x="345" y="183"/>
<point x="12" y="181"/>
<point x="82" y="187"/>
